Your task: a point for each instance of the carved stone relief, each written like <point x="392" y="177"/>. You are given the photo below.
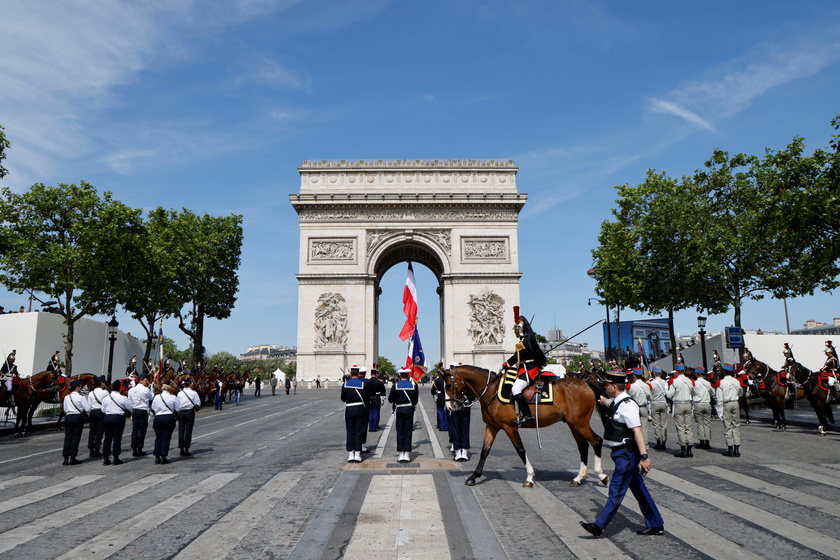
<point x="487" y="314"/>
<point x="441" y="236"/>
<point x="331" y="320"/>
<point x="332" y="249"/>
<point x="480" y="249"/>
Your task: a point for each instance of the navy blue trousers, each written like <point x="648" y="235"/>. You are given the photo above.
<point x="355" y="419"/>
<point x="442" y="417"/>
<point x="627" y="476"/>
<point x="73" y="424"/>
<point x="96" y="428"/>
<point x="164" y="425"/>
<point x="139" y="425"/>
<point x="459" y="429"/>
<point x="114" y="426"/>
<point x="405" y="425"/>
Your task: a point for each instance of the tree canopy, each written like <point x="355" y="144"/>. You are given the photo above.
<point x="69" y="243"/>
<point x="4" y="145"/>
<point x="742" y="227"/>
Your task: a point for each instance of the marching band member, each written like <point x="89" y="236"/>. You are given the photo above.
<point x="189" y="402"/>
<point x="76" y="408"/>
<point x="96" y="423"/>
<point x="165" y="407"/>
<point x="140" y="397"/>
<point x="115" y="407"/>
<point x="404" y="396"/>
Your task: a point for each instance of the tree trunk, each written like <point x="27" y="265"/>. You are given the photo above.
<point x="68" y="339"/>
<point x="198" y="338"/>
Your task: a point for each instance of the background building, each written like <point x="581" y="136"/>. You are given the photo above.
<point x="269" y="351"/>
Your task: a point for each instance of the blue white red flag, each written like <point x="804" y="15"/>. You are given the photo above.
<point x="409" y="305"/>
<point x="416" y="360"/>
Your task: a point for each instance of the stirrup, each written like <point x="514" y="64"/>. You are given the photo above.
<point x="523" y="420"/>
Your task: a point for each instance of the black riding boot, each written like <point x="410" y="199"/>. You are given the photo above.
<point x="729" y="452"/>
<point x="737" y="451"/>
<point x="524" y="410"/>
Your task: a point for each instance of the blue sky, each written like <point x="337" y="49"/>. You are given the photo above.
<point x="212" y="105"/>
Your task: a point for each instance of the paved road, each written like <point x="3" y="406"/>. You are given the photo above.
<point x="268" y="479"/>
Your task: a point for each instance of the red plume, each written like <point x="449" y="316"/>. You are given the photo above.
<point x="515" y="313"/>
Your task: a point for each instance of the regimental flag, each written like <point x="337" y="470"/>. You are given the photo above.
<point x="159" y="349"/>
<point x="416" y="360"/>
<point x="409" y="305"/>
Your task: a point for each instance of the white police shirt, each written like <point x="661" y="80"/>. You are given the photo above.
<point x="188" y="399"/>
<point x="165" y="403"/>
<point x="115" y="403"/>
<point x="74" y="403"/>
<point x="96" y="397"/>
<point x="140" y="397"/>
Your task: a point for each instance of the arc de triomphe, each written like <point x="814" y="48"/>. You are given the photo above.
<point x="359" y="218"/>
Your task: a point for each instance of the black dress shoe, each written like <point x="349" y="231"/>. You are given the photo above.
<point x="591" y="528"/>
<point x="157" y="460"/>
<point x="652" y="531"/>
<point x="117" y="461"/>
<point x="164" y="461"/>
<point x="106" y="461"/>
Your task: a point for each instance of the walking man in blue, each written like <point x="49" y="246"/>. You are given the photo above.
<point x="623" y="435"/>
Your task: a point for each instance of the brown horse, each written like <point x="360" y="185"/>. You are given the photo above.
<point x="816" y="395"/>
<point x="769" y="388"/>
<point x="34" y="390"/>
<point x="86" y="380"/>
<point x="574" y="401"/>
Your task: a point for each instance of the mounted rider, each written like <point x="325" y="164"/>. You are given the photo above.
<point x="8" y="372"/>
<point x="785" y="376"/>
<point x="829" y="369"/>
<point x="54" y="364"/>
<point x="527" y="361"/>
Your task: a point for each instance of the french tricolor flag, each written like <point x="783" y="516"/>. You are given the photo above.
<point x="409" y="305"/>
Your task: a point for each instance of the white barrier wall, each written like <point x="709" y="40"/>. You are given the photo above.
<point x="37" y="335"/>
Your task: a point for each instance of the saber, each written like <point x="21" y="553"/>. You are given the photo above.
<point x="564" y="341"/>
<point x="537" y="414"/>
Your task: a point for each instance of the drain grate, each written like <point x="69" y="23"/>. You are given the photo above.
<point x="402" y="465"/>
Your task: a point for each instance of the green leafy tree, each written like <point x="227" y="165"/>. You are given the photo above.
<point x="224" y="360"/>
<point x="4" y="145"/>
<point x="205" y="254"/>
<point x="387" y="370"/>
<point x="70" y="243"/>
<point x="146" y="290"/>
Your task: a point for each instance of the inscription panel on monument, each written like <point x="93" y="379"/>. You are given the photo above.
<point x="484" y="249"/>
<point x="329" y="250"/>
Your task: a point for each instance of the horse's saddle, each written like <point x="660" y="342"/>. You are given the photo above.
<point x="62" y="383"/>
<point x="506" y="386"/>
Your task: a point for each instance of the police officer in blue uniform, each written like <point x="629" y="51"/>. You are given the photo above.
<point x="76" y="409"/>
<point x="377" y="391"/>
<point x="623" y="435"/>
<point x="404" y="395"/>
<point x="355" y="397"/>
<point x="96" y="424"/>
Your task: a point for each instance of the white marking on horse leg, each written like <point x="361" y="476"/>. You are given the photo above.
<point x="529" y="481"/>
<point x="582" y="474"/>
<point x="599" y="469"/>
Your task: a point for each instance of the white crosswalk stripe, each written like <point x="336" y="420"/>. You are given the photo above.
<point x="20" y="535"/>
<point x="771" y="522"/>
<point x="410" y="500"/>
<point x="225" y="534"/>
<point x="131" y="529"/>
<point x="783" y="492"/>
<point x="48" y="492"/>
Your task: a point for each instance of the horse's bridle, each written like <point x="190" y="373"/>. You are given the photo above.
<point x="465" y="400"/>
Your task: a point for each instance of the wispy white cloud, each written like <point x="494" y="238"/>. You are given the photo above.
<point x="731" y="88"/>
<point x="671" y="108"/>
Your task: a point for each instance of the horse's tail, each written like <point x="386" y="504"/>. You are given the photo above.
<point x="599" y="391"/>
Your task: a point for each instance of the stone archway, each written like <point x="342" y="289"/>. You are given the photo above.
<point x="358" y="219"/>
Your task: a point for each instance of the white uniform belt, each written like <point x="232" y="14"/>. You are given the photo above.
<point x="355" y="404"/>
<point x="404" y="404"/>
<point x="682" y="402"/>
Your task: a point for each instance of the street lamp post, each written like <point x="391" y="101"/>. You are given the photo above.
<point x="701" y="325"/>
<point x="112" y="338"/>
<point x="609" y="334"/>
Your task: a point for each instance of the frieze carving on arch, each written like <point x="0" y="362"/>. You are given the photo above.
<point x="487" y="314"/>
<point x="405" y="214"/>
<point x="485" y="249"/>
<point x="443" y="237"/>
<point x="331" y="320"/>
<point x="332" y="249"/>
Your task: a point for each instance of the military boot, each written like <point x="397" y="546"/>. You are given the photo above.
<point x="729" y="451"/>
<point x="688" y="451"/>
<point x="737" y="451"/>
<point x="682" y="452"/>
<point x="524" y="410"/>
